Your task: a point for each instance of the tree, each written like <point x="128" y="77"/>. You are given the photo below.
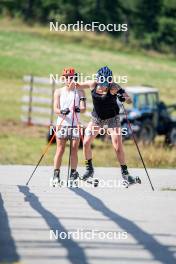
<point x="167" y="26"/>
<point x="102" y="11"/>
<point x="148" y="12"/>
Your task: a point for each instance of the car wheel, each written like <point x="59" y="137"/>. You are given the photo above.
<point x="49" y="136"/>
<point x="171" y="137"/>
<point x="146" y="133"/>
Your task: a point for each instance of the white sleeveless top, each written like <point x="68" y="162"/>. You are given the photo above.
<point x="67" y="101"/>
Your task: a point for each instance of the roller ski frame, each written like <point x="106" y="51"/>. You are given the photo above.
<point x="93" y="181"/>
<point x="126" y="183"/>
<point x="89" y="179"/>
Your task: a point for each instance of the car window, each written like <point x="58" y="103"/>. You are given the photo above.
<point x="141" y="101"/>
<point x="152" y="100"/>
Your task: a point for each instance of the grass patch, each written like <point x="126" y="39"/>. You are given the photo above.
<point x="23" y="144"/>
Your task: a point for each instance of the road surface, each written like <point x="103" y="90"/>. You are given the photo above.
<point x="108" y="224"/>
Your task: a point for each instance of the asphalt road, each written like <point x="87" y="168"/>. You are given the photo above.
<point x="108" y="224"/>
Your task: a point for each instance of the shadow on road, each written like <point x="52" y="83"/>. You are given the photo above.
<point x="159" y="252"/>
<point x="8" y="252"/>
<point x="75" y="253"/>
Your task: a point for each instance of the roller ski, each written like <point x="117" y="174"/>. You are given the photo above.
<point x="88" y="175"/>
<point x="55" y="180"/>
<point x="73" y="179"/>
<point x="128" y="180"/>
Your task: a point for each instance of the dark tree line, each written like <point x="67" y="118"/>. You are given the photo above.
<point x="151" y="23"/>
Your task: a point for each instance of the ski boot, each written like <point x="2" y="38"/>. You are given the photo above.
<point x="73" y="180"/>
<point x="88" y="175"/>
<point x="128" y="180"/>
<point x="55" y="181"/>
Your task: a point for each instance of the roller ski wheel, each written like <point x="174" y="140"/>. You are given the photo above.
<point x="130" y="181"/>
<point x="92" y="181"/>
<point x="96" y="182"/>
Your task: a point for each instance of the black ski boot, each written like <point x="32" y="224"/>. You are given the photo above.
<point x="89" y="171"/>
<point x="73" y="181"/>
<point x="55" y="181"/>
<point x="88" y="175"/>
<point x="127" y="178"/>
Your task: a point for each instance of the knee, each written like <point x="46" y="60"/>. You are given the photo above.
<point x="60" y="150"/>
<point x="118" y="147"/>
<point x="75" y="149"/>
<point x="86" y="142"/>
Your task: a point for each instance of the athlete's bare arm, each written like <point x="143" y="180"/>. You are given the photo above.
<point x="115" y="88"/>
<point x="57" y="102"/>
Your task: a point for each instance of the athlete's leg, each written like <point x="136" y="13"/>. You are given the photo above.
<point x="118" y="144"/>
<point x="90" y="134"/>
<point x="59" y="152"/>
<point x="58" y="159"/>
<point x="74" y="154"/>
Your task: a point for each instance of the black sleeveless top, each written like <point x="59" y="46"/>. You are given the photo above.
<point x="105" y="106"/>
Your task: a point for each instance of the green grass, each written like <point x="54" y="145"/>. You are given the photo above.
<point x="27" y="145"/>
<point x="25" y="50"/>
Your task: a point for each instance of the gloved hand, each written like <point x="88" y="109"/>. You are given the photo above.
<point x="77" y="109"/>
<point x="65" y="111"/>
<point x="121" y="91"/>
<point x="121" y="97"/>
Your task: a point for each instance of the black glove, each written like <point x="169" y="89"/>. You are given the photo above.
<point x="121" y="98"/>
<point x="120" y="95"/>
<point x="121" y="91"/>
<point x="65" y="111"/>
<point x="77" y="109"/>
<point x="76" y="75"/>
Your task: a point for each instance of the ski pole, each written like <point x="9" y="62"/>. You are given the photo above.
<point x="135" y="141"/>
<point x="44" y="152"/>
<point x="70" y="149"/>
